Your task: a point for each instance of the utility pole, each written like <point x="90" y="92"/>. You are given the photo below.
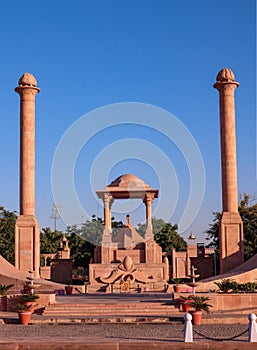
<point x="56" y="210"/>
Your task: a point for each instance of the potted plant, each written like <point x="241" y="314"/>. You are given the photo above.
<point x="24" y="313"/>
<point x="248" y="287"/>
<point x="184" y="302"/>
<point x="227" y="285"/>
<point x="3" y="292"/>
<point x="199" y="304"/>
<point x="29" y="299"/>
<point x="177" y="281"/>
<point x="68" y="289"/>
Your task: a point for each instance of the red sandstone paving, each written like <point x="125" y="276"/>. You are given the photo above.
<point x="116" y="332"/>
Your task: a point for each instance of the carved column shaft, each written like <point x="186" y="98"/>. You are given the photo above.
<point x="228" y="145"/>
<point x="27" y="149"/>
<point x="148" y="200"/>
<point x="107" y="200"/>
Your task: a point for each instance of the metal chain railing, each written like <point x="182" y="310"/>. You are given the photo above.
<point x="221" y="339"/>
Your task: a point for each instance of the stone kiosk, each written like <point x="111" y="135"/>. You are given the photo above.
<point x="128" y="261"/>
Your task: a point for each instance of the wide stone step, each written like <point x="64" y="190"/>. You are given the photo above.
<point x="117" y="305"/>
<point x="110" y="309"/>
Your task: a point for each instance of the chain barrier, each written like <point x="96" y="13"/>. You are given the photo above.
<point x="221" y="339"/>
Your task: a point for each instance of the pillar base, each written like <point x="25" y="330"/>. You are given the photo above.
<point x="27" y="244"/>
<point x="231" y="241"/>
<point x="153" y="252"/>
<point x="107" y="236"/>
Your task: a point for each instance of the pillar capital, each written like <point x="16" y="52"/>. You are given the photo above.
<point x="226" y="87"/>
<point x="27" y="91"/>
<point x="149" y="198"/>
<point x="108" y="199"/>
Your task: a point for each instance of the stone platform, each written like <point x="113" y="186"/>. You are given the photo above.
<point x="108" y="308"/>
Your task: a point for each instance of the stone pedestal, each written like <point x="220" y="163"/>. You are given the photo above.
<point x="231" y="241"/>
<point x="61" y="270"/>
<point x="153" y="252"/>
<point x="27" y="244"/>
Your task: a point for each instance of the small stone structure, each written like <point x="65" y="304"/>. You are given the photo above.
<point x="128" y="257"/>
<point x="196" y="255"/>
<point x="60" y="266"/>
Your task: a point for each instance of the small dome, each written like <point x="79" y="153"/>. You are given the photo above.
<point x="225" y="74"/>
<point x="129" y="181"/>
<point x="27" y="79"/>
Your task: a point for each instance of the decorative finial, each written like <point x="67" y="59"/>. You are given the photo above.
<point x="27" y="79"/>
<point x="225" y="74"/>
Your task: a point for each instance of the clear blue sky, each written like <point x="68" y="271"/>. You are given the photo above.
<point x="89" y="54"/>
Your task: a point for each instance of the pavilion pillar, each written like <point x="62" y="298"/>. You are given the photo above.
<point x="148" y="200"/>
<point x="106" y="251"/>
<point x="27" y="232"/>
<point x="231" y="226"/>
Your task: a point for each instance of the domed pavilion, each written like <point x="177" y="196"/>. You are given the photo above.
<point x="128" y="259"/>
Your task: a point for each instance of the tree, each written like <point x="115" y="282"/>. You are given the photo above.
<point x="7" y="233"/>
<point x="169" y="238"/>
<point x="157" y="224"/>
<point x="49" y="241"/>
<point x="92" y="230"/>
<point x="165" y="235"/>
<point x="83" y="240"/>
<point x="248" y="212"/>
<point x="81" y="250"/>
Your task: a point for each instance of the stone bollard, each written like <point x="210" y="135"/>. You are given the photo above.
<point x="252" y="328"/>
<point x="188" y="329"/>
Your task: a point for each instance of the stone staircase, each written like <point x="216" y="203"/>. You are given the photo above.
<point x="142" y="309"/>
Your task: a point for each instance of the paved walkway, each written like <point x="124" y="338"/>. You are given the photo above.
<point x="116" y="336"/>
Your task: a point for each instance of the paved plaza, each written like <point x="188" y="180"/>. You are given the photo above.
<point x="113" y="335"/>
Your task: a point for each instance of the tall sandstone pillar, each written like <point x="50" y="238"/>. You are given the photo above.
<point x="27" y="232"/>
<point x="231" y="226"/>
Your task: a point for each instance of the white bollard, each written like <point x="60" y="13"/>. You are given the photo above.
<point x="252" y="328"/>
<point x="188" y="329"/>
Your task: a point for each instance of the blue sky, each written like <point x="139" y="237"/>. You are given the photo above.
<point x="89" y="54"/>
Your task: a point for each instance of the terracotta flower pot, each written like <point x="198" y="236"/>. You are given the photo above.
<point x="185" y="306"/>
<point x="68" y="290"/>
<point x="32" y="305"/>
<point x="177" y="288"/>
<point x="197" y="317"/>
<point x="3" y="303"/>
<point x="24" y="317"/>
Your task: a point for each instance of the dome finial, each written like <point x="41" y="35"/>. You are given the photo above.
<point x="224" y="75"/>
<point x="27" y="79"/>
